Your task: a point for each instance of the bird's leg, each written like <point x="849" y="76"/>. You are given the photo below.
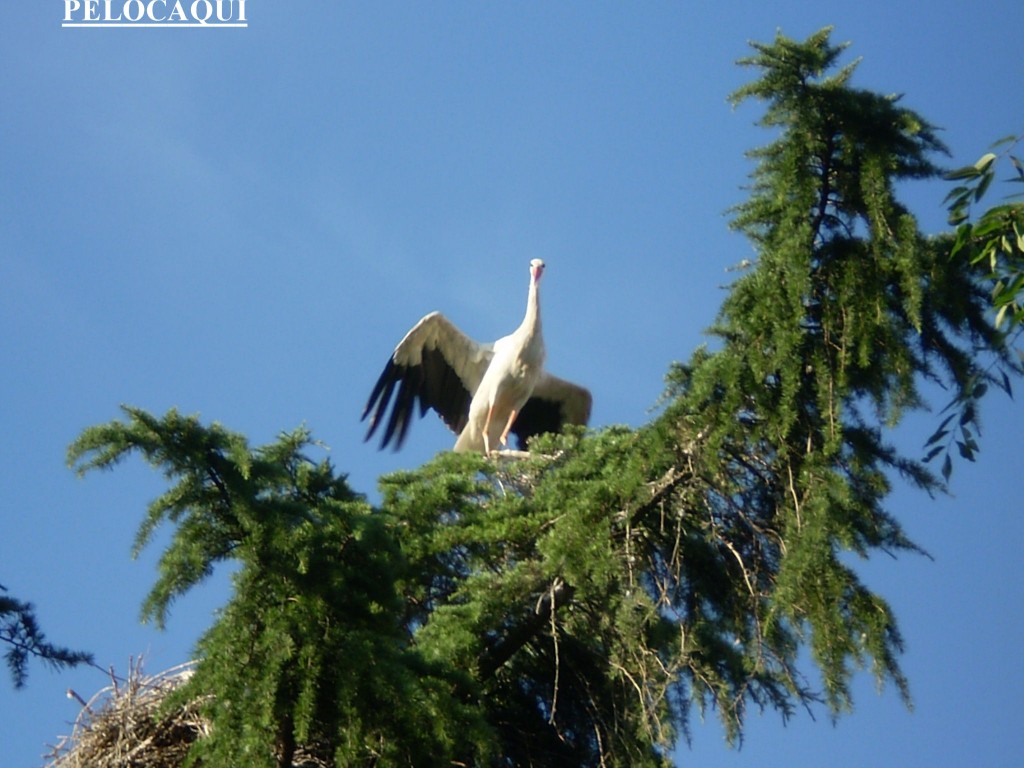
<point x="487" y="428"/>
<point x="508" y="427"/>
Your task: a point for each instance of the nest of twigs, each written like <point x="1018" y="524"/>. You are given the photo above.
<point x="123" y="725"/>
<point x="126" y="725"/>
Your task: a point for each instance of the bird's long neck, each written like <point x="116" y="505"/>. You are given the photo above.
<point x="531" y="322"/>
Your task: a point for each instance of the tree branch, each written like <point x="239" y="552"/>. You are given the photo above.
<point x="493" y="658"/>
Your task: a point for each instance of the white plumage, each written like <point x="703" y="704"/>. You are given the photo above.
<point x="481" y="391"/>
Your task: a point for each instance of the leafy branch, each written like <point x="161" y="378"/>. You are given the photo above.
<point x="993" y="244"/>
<point x="995" y="241"/>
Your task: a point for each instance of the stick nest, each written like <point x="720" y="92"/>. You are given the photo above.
<point x="126" y="725"/>
<point x="123" y="725"/>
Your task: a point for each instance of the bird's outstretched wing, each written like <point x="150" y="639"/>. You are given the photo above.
<point x="554" y="403"/>
<point x="436" y="365"/>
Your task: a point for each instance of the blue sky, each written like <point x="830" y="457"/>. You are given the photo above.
<point x="242" y="223"/>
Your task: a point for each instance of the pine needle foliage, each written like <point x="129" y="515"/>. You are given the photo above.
<point x="825" y="343"/>
<point x="23" y="640"/>
<point x="310" y="649"/>
<point x="572" y="608"/>
<point x="532" y="577"/>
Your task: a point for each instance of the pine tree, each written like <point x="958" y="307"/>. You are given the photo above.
<point x="310" y="650"/>
<point x="570" y="609"/>
<point x="825" y="344"/>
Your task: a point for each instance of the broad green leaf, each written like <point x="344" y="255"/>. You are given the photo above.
<point x="1001" y="315"/>
<point x="987" y="225"/>
<point x="1011" y="139"/>
<point x="942" y="431"/>
<point x="967" y="172"/>
<point x="965" y="450"/>
<point x="960" y="194"/>
<point x="986" y="180"/>
<point x="957" y="217"/>
<point x="985" y="162"/>
<point x="963" y="235"/>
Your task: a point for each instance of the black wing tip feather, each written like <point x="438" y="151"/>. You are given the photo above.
<point x="379" y="400"/>
<point x="407" y="379"/>
<point x="375" y="394"/>
<point x="431" y="384"/>
<point x="404" y="406"/>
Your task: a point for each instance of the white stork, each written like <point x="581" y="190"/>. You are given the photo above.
<point x="481" y="391"/>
